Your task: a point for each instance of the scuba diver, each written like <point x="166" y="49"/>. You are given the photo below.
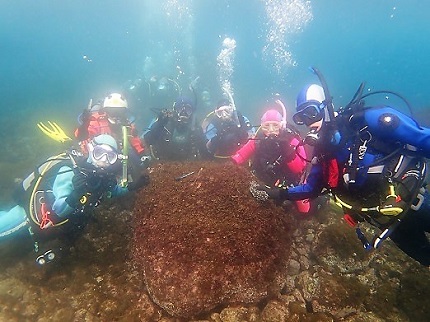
<point x="278" y="159"/>
<point x="372" y="159"/>
<point x="110" y="116"/>
<point x="173" y="134"/>
<point x="153" y="93"/>
<point x="226" y="129"/>
<point x="57" y="198"/>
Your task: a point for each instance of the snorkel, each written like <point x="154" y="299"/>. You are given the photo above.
<point x="328" y="101"/>
<point x="329" y="114"/>
<point x="124" y="160"/>
<point x="284" y="114"/>
<point x="90" y="104"/>
<point x="230" y="97"/>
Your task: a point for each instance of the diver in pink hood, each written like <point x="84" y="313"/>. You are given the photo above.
<point x="278" y="159"/>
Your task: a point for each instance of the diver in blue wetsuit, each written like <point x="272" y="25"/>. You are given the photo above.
<point x="226" y="130"/>
<point x="59" y="194"/>
<point x="373" y="161"/>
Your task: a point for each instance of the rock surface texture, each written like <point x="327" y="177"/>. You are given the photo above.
<point x="327" y="275"/>
<point x="203" y="241"/>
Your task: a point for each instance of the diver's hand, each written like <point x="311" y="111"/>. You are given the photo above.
<point x="79" y="182"/>
<point x="273" y="193"/>
<point x="263" y="193"/>
<point x="73" y="200"/>
<point x="141" y="182"/>
<point x="145" y="161"/>
<point x="165" y="114"/>
<point x="83" y="183"/>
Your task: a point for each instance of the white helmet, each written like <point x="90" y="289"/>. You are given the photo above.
<point x="115" y="100"/>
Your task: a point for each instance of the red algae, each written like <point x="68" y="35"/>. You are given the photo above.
<point x="202" y="241"/>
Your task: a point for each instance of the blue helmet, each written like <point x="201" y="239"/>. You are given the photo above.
<point x="309" y="105"/>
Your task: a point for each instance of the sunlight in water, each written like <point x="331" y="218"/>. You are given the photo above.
<point x="284" y="19"/>
<point x="178" y="10"/>
<point x="180" y="14"/>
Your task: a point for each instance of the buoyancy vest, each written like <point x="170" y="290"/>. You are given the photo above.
<point x="271" y="157"/>
<point x="176" y="141"/>
<point x="229" y="136"/>
<point x="99" y="123"/>
<point x="38" y="186"/>
<point x="361" y="169"/>
<point x="38" y="191"/>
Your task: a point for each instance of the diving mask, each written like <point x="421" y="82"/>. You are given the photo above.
<point x="224" y="112"/>
<point x="271" y="128"/>
<point x="105" y="152"/>
<point x="103" y="155"/>
<point x="184" y="111"/>
<point x="309" y="113"/>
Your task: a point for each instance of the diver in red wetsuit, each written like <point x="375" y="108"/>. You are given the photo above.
<point x="110" y="116"/>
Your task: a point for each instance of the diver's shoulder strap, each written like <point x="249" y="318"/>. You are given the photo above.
<point x="42" y="169"/>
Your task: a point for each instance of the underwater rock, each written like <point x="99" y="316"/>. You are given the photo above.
<point x="202" y="241"/>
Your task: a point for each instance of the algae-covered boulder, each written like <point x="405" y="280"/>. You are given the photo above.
<point x="202" y="241"/>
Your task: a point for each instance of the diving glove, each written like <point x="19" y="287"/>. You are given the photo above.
<point x="86" y="182"/>
<point x="164" y="116"/>
<point x="263" y="193"/>
<point x="141" y="182"/>
<point x="74" y="199"/>
<point x="79" y="182"/>
<point x="145" y="161"/>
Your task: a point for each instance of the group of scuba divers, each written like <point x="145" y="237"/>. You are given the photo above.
<point x="370" y="159"/>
